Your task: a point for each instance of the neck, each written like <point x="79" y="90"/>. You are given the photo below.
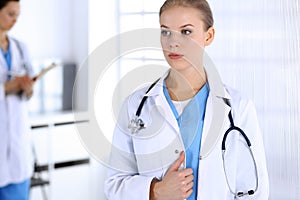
<point x="185" y="84"/>
<point x="3" y="40"/>
<point x="3" y="36"/>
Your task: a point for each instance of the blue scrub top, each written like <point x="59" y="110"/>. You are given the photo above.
<point x="7" y="57"/>
<point x="190" y="124"/>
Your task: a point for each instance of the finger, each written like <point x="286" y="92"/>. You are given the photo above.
<point x="30" y="80"/>
<point x="27" y="79"/>
<point x="178" y="162"/>
<point x="188" y="186"/>
<point x="29" y="94"/>
<point x="186" y="172"/>
<point x="188" y="193"/>
<point x="17" y="80"/>
<point x="26" y="82"/>
<point x="189" y="179"/>
<point x="23" y="83"/>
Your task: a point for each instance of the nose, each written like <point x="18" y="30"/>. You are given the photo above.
<point x="173" y="44"/>
<point x="174" y="41"/>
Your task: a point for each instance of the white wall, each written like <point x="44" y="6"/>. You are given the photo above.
<point x="54" y="29"/>
<point x="102" y="26"/>
<point x="58" y="30"/>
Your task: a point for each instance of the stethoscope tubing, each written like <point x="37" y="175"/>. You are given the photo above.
<point x="223" y="147"/>
<point x="240" y="131"/>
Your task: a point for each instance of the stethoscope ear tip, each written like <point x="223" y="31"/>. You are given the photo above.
<point x="240" y="194"/>
<point x="251" y="192"/>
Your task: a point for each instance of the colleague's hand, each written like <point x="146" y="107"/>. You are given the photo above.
<point x="20" y="84"/>
<point x="13" y="86"/>
<point x="27" y="86"/>
<point x="176" y="185"/>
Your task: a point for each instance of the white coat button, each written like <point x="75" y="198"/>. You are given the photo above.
<point x="176" y="151"/>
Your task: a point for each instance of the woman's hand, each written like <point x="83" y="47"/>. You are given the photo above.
<point x="27" y="86"/>
<point x="176" y="185"/>
<point x="20" y="84"/>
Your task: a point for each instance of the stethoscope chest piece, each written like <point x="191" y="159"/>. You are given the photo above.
<point x="136" y="125"/>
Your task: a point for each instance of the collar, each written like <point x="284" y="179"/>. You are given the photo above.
<point x="215" y="83"/>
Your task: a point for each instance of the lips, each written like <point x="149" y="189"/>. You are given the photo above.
<point x="175" y="56"/>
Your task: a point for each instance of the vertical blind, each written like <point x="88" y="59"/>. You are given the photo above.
<point x="257" y="51"/>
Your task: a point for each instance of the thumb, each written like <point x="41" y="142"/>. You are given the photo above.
<point x="178" y="162"/>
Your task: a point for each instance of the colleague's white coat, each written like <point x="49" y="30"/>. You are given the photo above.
<point x="136" y="159"/>
<point x="15" y="145"/>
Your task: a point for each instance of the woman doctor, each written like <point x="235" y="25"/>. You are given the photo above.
<point x="160" y="155"/>
<point x="16" y="87"/>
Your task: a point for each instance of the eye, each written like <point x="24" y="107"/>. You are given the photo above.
<point x="13" y="14"/>
<point x="186" y="32"/>
<point x="165" y="33"/>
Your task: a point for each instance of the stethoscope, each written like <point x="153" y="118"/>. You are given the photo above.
<point x="24" y="63"/>
<point x="24" y="66"/>
<point x="137" y="124"/>
<point x="242" y="133"/>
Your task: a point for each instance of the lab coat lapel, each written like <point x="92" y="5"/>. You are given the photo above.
<point x="165" y="111"/>
<point x="162" y="105"/>
<point x="215" y="122"/>
<point x="3" y="64"/>
<point x="15" y="65"/>
<point x="3" y="69"/>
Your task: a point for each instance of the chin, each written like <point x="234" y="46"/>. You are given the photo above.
<point x="179" y="65"/>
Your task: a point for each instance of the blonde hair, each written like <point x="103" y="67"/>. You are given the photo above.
<point x="201" y="5"/>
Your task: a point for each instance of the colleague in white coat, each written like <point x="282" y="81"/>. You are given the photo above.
<point x="16" y="87"/>
<point x="167" y="142"/>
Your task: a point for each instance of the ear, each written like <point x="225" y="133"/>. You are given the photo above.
<point x="210" y="35"/>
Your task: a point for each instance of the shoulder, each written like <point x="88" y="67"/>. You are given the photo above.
<point x="129" y="107"/>
<point x="16" y="43"/>
<point x="149" y="90"/>
<point x="134" y="99"/>
<point x="240" y="104"/>
<point x="237" y="98"/>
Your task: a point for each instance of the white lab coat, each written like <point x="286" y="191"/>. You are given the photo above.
<point x="16" y="160"/>
<point x="136" y="159"/>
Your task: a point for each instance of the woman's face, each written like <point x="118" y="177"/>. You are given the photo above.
<point x="183" y="37"/>
<point x="9" y="15"/>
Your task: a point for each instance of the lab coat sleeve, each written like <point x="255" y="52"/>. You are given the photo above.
<point x="123" y="179"/>
<point x="249" y="123"/>
<point x="29" y="67"/>
<point x="2" y="92"/>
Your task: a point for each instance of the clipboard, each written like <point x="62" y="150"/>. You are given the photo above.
<point x="44" y="71"/>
